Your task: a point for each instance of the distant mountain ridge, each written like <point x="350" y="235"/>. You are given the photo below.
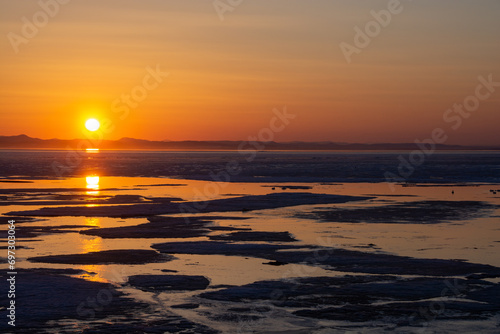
<point x="26" y="142"/>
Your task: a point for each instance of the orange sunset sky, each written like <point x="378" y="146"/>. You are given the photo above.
<point x="226" y="76"/>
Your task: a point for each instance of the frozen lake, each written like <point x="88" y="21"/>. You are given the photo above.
<point x="295" y="242"/>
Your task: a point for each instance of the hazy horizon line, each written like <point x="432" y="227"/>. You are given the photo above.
<point x="257" y="145"/>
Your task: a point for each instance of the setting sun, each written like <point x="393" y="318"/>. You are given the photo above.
<point x="92" y="124"/>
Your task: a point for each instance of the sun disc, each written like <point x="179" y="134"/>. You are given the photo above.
<point x="92" y="124"/>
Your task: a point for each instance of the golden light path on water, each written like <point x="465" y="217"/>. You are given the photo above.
<point x="92" y="186"/>
<point x="89" y="243"/>
<point x="92" y="244"/>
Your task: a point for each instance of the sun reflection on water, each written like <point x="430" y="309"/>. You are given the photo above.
<point x="92" y="244"/>
<point x="92" y="186"/>
<point x="92" y="221"/>
<point x="92" y="182"/>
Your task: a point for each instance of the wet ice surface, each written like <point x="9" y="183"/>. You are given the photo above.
<point x="272" y="167"/>
<point x="302" y="257"/>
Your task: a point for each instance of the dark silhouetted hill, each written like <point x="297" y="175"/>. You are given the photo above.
<point x="26" y="142"/>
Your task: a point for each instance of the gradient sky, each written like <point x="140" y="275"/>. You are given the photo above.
<point x="227" y="76"/>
